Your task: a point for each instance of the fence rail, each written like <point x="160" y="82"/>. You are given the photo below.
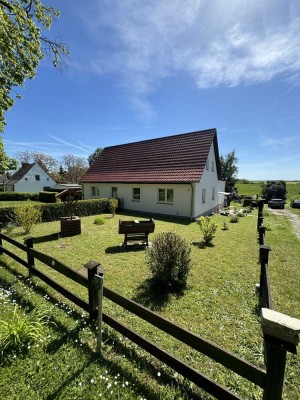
<point x="271" y="381"/>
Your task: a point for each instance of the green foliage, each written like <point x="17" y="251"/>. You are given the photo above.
<point x="229" y="170"/>
<point x="6" y="163"/>
<point x="234" y="219"/>
<point x="18" y="196"/>
<point x="9" y="227"/>
<point x="274" y="190"/>
<point x="48" y="197"/>
<point x="208" y="228"/>
<point x="27" y="216"/>
<point x="21" y="330"/>
<point x="169" y="260"/>
<point x="113" y="205"/>
<point x="21" y="24"/>
<point x="99" y="220"/>
<point x="92" y="157"/>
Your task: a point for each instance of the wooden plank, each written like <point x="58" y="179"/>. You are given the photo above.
<point x="179" y="366"/>
<point x="229" y="360"/>
<point x="61" y="289"/>
<point x="60" y="267"/>
<point x="14" y="242"/>
<point x="14" y="256"/>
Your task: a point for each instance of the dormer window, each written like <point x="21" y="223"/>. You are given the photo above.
<point x="37" y="178"/>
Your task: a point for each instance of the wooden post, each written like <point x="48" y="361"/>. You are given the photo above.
<point x="260" y="218"/>
<point x="281" y="334"/>
<point x="264" y="287"/>
<point x="1" y="252"/>
<point x="98" y="285"/>
<point x="30" y="259"/>
<point x="92" y="267"/>
<point x="262" y="232"/>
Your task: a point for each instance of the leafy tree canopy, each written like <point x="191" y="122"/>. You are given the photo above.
<point x="6" y="163"/>
<point x="274" y="190"/>
<point x="92" y="157"/>
<point x="229" y="170"/>
<point x="22" y="46"/>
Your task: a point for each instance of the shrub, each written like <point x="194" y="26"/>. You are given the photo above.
<point x="18" y="196"/>
<point x="234" y="219"/>
<point x="169" y="260"/>
<point x="113" y="205"/>
<point x="99" y="221"/>
<point x="21" y="330"/>
<point x="208" y="227"/>
<point x="27" y="216"/>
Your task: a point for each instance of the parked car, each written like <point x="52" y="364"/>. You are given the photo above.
<point x="276" y="203"/>
<point x="295" y="204"/>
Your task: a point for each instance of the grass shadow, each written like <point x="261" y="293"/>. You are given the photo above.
<point x="122" y="249"/>
<point x="47" y="238"/>
<point x="202" y="245"/>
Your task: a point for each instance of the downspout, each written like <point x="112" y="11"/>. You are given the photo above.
<point x="192" y="201"/>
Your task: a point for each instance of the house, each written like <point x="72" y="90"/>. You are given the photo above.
<point x="175" y="175"/>
<point x="30" y="178"/>
<point x="3" y="180"/>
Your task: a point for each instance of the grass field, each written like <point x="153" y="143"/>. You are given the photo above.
<point x="251" y="189"/>
<point x="219" y="304"/>
<point x="18" y="203"/>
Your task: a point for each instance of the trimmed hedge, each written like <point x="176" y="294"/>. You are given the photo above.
<point x="48" y="197"/>
<point x="53" y="212"/>
<point x="18" y="196"/>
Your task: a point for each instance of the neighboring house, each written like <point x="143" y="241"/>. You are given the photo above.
<point x="30" y="178"/>
<point x="175" y="175"/>
<point x="3" y="180"/>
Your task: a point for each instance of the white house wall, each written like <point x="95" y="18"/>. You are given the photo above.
<point x="180" y="207"/>
<point x="29" y="183"/>
<point x="208" y="181"/>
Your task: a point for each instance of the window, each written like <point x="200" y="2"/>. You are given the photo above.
<point x="203" y="196"/>
<point x="95" y="191"/>
<point x="37" y="177"/>
<point x="213" y="166"/>
<point x="165" y="195"/>
<point x="213" y="193"/>
<point x="26" y="179"/>
<point x="47" y="179"/>
<point x="136" y="194"/>
<point x="207" y="164"/>
<point x="114" y="192"/>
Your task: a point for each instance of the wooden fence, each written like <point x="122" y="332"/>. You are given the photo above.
<point x="266" y="379"/>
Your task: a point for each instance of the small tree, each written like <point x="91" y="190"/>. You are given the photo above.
<point x="274" y="189"/>
<point x="113" y="205"/>
<point x="229" y="170"/>
<point x="27" y="216"/>
<point x="169" y="260"/>
<point x="208" y="227"/>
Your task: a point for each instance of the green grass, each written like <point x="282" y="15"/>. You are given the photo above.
<point x="18" y="203"/>
<point x="219" y="304"/>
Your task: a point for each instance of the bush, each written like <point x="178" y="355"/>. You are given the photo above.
<point x="99" y="221"/>
<point x="113" y="205"/>
<point x="27" y="216"/>
<point x="169" y="261"/>
<point x="21" y="330"/>
<point x="15" y="196"/>
<point x="208" y="227"/>
<point x="234" y="219"/>
<point x="48" y="197"/>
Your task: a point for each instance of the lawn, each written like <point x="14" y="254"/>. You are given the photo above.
<point x="18" y="203"/>
<point x="254" y="188"/>
<point x="219" y="304"/>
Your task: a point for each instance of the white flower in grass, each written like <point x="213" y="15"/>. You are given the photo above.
<point x="158" y="374"/>
<point x="80" y="384"/>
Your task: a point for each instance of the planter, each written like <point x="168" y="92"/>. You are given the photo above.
<point x="70" y="227"/>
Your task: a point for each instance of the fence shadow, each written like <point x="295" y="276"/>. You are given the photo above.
<point x="47" y="238"/>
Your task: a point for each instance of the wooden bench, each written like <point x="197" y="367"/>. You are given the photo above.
<point x="136" y="230"/>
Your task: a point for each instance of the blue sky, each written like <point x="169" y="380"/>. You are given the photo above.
<point x="145" y="69"/>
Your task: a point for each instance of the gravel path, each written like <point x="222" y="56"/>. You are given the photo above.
<point x="293" y="218"/>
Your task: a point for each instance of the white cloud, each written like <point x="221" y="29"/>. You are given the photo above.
<point x="143" y="42"/>
<point x="279" y="141"/>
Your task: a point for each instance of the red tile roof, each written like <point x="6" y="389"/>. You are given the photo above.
<point x="17" y="176"/>
<point x="176" y="159"/>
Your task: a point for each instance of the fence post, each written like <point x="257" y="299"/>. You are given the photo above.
<point x="30" y="258"/>
<point x="92" y="267"/>
<point x="1" y="226"/>
<point x="263" y="281"/>
<point x="281" y="335"/>
<point x="262" y="232"/>
<point x="98" y="284"/>
<point x="260" y="218"/>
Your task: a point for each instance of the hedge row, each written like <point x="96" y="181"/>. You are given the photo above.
<point x="18" y="196"/>
<point x="48" y="197"/>
<point x="53" y="212"/>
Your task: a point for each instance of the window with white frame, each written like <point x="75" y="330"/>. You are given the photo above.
<point x="95" y="191"/>
<point x="165" y="195"/>
<point x="136" y="194"/>
<point x="207" y="164"/>
<point x="212" y="166"/>
<point x="213" y="195"/>
<point x="203" y="196"/>
<point x="114" y="192"/>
